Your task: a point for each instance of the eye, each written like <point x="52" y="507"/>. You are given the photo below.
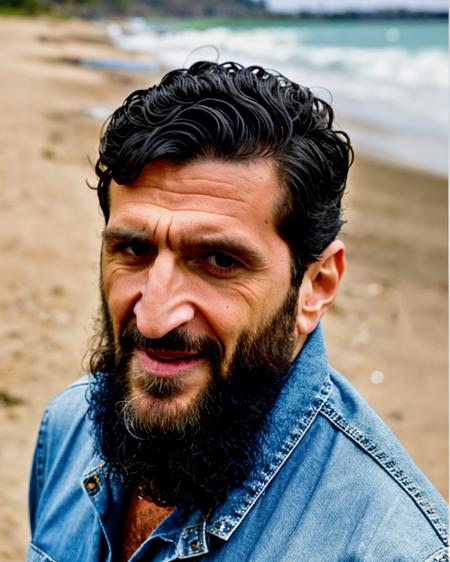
<point x="136" y="249"/>
<point x="223" y="262"/>
<point x="133" y="251"/>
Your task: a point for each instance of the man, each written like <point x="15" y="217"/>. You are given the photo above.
<point x="212" y="426"/>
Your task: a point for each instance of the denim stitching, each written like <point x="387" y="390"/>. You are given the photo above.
<point x="391" y="466"/>
<point x="40" y="450"/>
<point x="45" y="557"/>
<point x="440" y="556"/>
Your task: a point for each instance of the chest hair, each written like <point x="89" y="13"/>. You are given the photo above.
<point x="141" y="519"/>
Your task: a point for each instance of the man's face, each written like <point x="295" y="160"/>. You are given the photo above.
<point x="191" y="251"/>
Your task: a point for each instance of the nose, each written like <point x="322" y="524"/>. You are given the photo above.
<point x="164" y="302"/>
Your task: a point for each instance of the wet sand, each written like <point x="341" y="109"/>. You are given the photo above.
<point x="390" y="317"/>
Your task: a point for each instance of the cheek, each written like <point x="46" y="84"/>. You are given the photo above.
<point x="230" y="314"/>
<point x="217" y="314"/>
<point x="255" y="313"/>
<point x="120" y="298"/>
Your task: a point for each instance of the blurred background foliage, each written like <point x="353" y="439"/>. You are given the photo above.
<point x="181" y="8"/>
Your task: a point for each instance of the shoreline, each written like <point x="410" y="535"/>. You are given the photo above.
<point x="381" y="125"/>
<point x="390" y="317"/>
<point x="376" y="146"/>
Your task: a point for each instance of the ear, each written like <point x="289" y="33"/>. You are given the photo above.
<point x="319" y="287"/>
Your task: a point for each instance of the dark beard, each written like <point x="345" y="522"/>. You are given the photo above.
<point x="199" y="461"/>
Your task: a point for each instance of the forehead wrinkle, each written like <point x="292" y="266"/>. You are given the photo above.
<point x="235" y="173"/>
<point x="197" y="194"/>
<point x="162" y="229"/>
<point x="194" y="210"/>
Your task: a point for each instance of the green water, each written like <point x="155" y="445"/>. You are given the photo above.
<point x="404" y="33"/>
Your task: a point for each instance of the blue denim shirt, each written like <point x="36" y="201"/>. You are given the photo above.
<point x="332" y="485"/>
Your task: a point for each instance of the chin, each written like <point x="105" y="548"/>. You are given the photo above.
<point x="144" y="412"/>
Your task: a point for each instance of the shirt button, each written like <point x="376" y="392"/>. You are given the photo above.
<point x="91" y="483"/>
<point x="195" y="545"/>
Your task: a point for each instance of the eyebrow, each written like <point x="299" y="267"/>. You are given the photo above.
<point x="221" y="243"/>
<point x="117" y="234"/>
<point x="206" y="242"/>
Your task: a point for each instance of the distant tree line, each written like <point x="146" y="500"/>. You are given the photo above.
<point x="161" y="8"/>
<point x="185" y="8"/>
<point x="378" y="14"/>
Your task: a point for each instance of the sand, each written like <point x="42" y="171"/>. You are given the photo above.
<point x="387" y="331"/>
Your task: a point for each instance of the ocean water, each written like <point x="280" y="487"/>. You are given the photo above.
<point x="387" y="80"/>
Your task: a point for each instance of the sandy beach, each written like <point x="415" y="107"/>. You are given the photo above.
<point x="387" y="332"/>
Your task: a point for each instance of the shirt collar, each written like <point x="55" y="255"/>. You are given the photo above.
<point x="306" y="390"/>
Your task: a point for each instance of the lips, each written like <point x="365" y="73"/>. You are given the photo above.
<point x="167" y="363"/>
<point x="170" y="355"/>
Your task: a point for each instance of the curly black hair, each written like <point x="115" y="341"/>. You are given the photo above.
<point x="234" y="113"/>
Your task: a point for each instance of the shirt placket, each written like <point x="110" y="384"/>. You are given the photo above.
<point x="107" y="503"/>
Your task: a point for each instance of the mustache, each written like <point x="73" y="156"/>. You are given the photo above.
<point x="176" y="340"/>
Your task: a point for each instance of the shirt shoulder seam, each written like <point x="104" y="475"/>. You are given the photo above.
<point x="81" y="382"/>
<point x="391" y="466"/>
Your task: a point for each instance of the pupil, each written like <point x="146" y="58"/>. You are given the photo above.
<point x="139" y="249"/>
<point x="224" y="261"/>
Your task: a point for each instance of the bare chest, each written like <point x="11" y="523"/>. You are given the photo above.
<point x="141" y="520"/>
